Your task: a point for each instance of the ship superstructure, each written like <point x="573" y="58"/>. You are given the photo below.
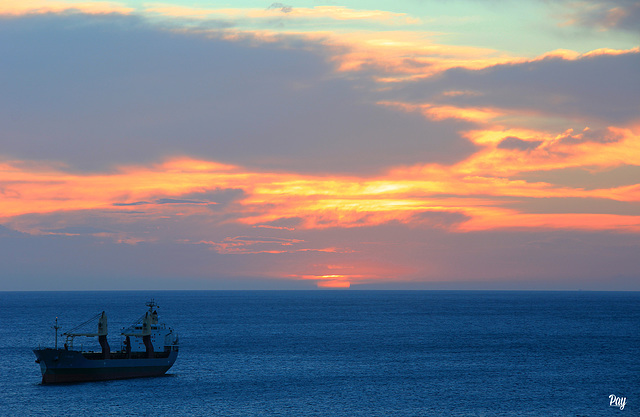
<point x="149" y="348"/>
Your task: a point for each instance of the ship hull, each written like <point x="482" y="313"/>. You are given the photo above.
<point x="63" y="366"/>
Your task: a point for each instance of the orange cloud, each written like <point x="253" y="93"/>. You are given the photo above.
<point x="570" y="55"/>
<point x="403" y="195"/>
<point x="24" y="7"/>
<point x="436" y="112"/>
<point x="317" y="12"/>
<point x="414" y="55"/>
<point x="473" y="191"/>
<point x="552" y="153"/>
<point x="344" y="13"/>
<point x="405" y="54"/>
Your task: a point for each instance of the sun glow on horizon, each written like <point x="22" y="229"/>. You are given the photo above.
<point x="334" y="284"/>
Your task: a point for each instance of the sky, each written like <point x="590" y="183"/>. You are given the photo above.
<point x="406" y="144"/>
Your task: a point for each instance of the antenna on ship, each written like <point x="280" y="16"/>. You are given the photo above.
<point x="56" y="327"/>
<point x="151" y="304"/>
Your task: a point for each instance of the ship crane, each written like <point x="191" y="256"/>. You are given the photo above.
<point x="143" y="328"/>
<point x="101" y="333"/>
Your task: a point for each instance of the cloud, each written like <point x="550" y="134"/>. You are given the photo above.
<point x="6" y="232"/>
<point x="586" y="177"/>
<point x="79" y="230"/>
<point x="577" y="205"/>
<point x="117" y="91"/>
<point x="263" y="239"/>
<point x="179" y="188"/>
<point x="590" y="135"/>
<point x="282" y="7"/>
<point x="136" y="203"/>
<point x="598" y="88"/>
<point x="512" y="142"/>
<point x="25" y="7"/>
<point x="438" y="219"/>
<point x="216" y="197"/>
<point x="559" y="150"/>
<point x="314" y="16"/>
<point x="604" y="14"/>
<point x="289" y="223"/>
<point x="254" y="245"/>
<point x="178" y="201"/>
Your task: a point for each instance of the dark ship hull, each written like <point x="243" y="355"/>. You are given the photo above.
<point x="61" y="366"/>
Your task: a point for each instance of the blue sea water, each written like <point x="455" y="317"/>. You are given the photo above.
<point x="342" y="353"/>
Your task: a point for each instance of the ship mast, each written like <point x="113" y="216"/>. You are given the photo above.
<point x="56" y="327"/>
<point x="151" y="304"/>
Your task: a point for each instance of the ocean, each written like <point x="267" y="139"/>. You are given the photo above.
<point x="342" y="353"/>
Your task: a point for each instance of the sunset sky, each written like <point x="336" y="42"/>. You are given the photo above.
<point x="308" y="144"/>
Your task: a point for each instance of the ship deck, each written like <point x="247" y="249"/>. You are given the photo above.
<point x="94" y="356"/>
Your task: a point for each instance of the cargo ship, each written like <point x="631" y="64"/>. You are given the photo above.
<point x="149" y="349"/>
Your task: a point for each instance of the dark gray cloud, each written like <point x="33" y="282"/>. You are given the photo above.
<point x="591" y="135"/>
<point x="550" y="205"/>
<point x="261" y="239"/>
<point x="6" y="232"/>
<point x="96" y="91"/>
<point x="584" y="178"/>
<point x="288" y="223"/>
<point x="177" y="201"/>
<point x="438" y="219"/>
<point x="593" y="89"/>
<point x="78" y="230"/>
<point x="217" y="197"/>
<point x="161" y="201"/>
<point x="135" y="203"/>
<point x="220" y="196"/>
<point x="606" y="14"/>
<point x="282" y="7"/>
<point x="512" y="142"/>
